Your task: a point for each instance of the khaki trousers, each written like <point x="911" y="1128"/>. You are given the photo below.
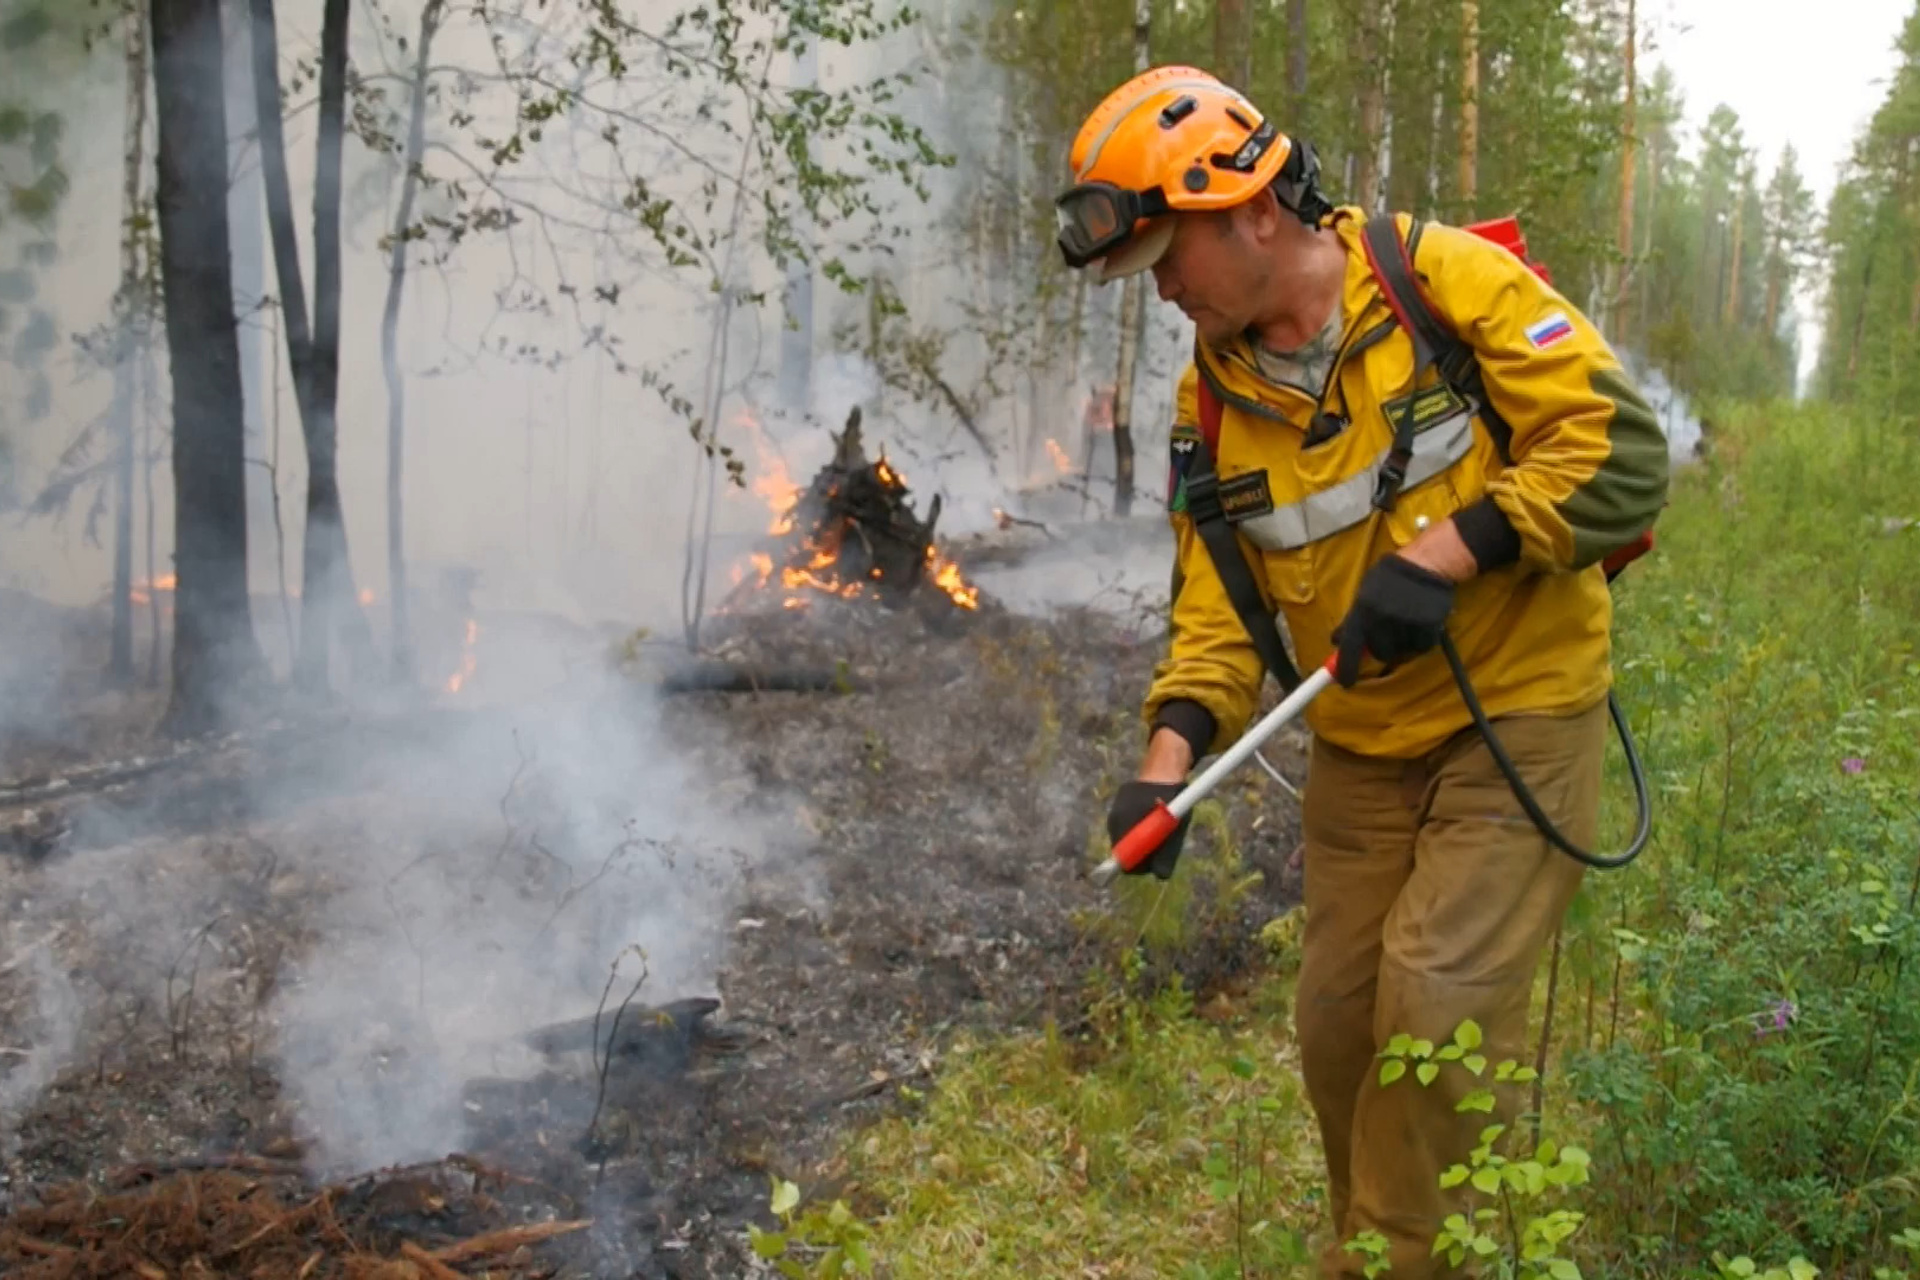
<point x="1430" y="898"/>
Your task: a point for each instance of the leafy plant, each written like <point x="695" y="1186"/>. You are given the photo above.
<point x="1510" y="1222"/>
<point x="819" y="1243"/>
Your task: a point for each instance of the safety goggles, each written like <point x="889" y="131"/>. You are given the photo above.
<point x="1095" y="218"/>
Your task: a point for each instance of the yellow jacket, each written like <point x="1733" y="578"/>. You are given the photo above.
<point x="1583" y="472"/>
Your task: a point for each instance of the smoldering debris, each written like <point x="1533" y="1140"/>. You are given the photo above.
<point x="467" y="914"/>
<point x="347" y="978"/>
<point x="263" y="1219"/>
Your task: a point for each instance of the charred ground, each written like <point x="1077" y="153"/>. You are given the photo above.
<point x="940" y="802"/>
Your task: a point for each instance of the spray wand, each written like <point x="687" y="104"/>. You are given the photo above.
<point x="1151" y="831"/>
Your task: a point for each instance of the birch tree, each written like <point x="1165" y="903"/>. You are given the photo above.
<point x="1132" y="316"/>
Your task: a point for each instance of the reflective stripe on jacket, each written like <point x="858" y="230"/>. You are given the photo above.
<point x="1574" y="459"/>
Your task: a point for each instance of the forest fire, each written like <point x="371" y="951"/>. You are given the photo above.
<point x="142" y="591"/>
<point x="469" y="660"/>
<point x="850" y="534"/>
<point x="1061" y="462"/>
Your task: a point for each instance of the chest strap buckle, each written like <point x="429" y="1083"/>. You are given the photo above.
<point x="1392" y="474"/>
<point x="1203" y="497"/>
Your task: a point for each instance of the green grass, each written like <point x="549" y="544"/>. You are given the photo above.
<point x="1736" y="1037"/>
<point x="1160" y="1140"/>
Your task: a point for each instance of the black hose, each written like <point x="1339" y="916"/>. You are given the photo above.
<point x="1525" y="796"/>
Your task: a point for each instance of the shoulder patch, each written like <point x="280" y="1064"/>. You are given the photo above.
<point x="1183" y="441"/>
<point x="1545" y="333"/>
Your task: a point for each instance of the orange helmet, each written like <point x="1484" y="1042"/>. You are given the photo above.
<point x="1171" y="139"/>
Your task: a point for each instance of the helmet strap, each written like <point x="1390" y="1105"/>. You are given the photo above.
<point x="1297" y="185"/>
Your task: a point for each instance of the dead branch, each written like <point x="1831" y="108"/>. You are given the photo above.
<point x="506" y="1240"/>
<point x="868" y="1088"/>
<point x="604" y="1063"/>
<point x="432" y="1266"/>
<point x="178" y="1028"/>
<point x="280" y="1223"/>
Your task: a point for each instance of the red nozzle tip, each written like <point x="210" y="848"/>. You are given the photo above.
<point x="1148" y="834"/>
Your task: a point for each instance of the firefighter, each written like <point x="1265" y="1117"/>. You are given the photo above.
<point x="1429" y="893"/>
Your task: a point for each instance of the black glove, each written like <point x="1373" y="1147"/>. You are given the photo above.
<point x="1133" y="802"/>
<point x="1400" y="613"/>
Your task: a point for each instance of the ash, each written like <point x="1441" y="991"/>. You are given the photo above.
<point x="605" y="955"/>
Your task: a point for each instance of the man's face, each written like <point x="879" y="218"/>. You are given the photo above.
<point x="1219" y="267"/>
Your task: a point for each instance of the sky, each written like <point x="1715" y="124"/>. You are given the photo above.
<point x="1807" y="73"/>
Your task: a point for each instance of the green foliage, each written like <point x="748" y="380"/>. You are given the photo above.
<point x="1753" y="1079"/>
<point x="1510" y="1221"/>
<point x="41" y="42"/>
<point x="1153" y="1142"/>
<point x="816" y="1244"/>
<point x="1872" y="330"/>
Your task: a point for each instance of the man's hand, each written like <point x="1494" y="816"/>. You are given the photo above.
<point x="1444" y="551"/>
<point x="1133" y="802"/>
<point x="1400" y="612"/>
<point x="1169" y="757"/>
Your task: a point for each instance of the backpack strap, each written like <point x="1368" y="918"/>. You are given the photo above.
<point x="1434" y="344"/>
<point x="1224" y="549"/>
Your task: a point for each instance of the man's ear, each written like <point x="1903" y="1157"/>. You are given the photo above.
<point x="1260" y="217"/>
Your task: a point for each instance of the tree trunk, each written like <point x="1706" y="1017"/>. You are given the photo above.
<point x="326" y="580"/>
<point x="326" y="570"/>
<point x="1615" y="301"/>
<point x="390" y="351"/>
<point x="1041" y="385"/>
<point x="1233" y="42"/>
<point x="796" y="343"/>
<point x="1643" y="290"/>
<point x="1731" y="314"/>
<point x="1132" y="305"/>
<point x="1469" y="105"/>
<point x="1297" y="64"/>
<point x="279" y="198"/>
<point x="1860" y="313"/>
<point x="1370" y="58"/>
<point x="132" y="323"/>
<point x="215" y="655"/>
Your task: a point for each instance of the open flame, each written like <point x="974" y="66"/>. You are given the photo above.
<point x="816" y="565"/>
<point x="1061" y="462"/>
<point x="946" y="576"/>
<point x="469" y="660"/>
<point x="141" y="591"/>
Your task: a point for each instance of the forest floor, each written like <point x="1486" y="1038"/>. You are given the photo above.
<point x="323" y="1002"/>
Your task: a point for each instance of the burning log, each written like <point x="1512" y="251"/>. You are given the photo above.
<point x="852" y="533"/>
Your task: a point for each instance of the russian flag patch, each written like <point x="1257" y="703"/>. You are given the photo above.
<point x="1544" y="333"/>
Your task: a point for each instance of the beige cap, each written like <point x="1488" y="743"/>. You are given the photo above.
<point x="1138" y="254"/>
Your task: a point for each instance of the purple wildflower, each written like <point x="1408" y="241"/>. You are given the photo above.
<point x="1778" y="1017"/>
<point x="1853" y="764"/>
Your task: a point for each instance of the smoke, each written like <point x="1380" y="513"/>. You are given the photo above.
<point x="441" y="877"/>
<point x="50" y="1035"/>
<point x="408" y="896"/>
<point x="494" y="894"/>
<point x="1670" y="406"/>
